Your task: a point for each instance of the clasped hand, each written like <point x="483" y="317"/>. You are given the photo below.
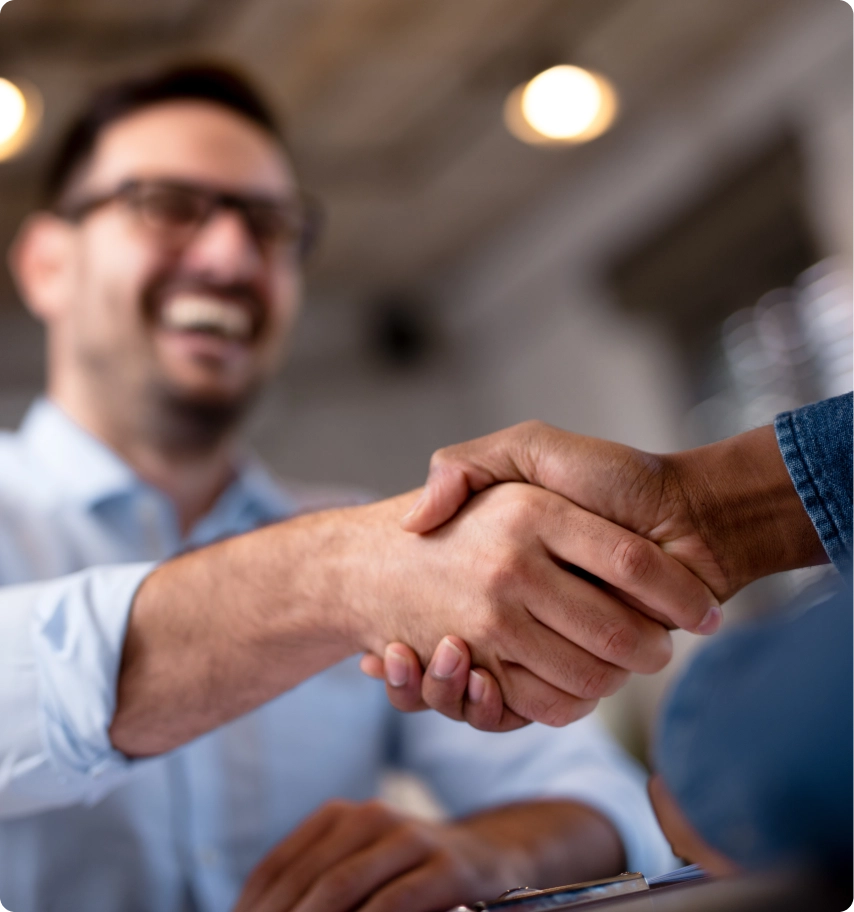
<point x="553" y="641"/>
<point x="620" y="515"/>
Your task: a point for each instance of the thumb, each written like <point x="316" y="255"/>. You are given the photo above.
<point x="446" y="490"/>
<point x="457" y="472"/>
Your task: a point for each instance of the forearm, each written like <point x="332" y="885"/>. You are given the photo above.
<point x="549" y="843"/>
<point x="212" y="635"/>
<point x="215" y="633"/>
<point x="746" y="508"/>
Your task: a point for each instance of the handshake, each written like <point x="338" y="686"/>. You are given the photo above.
<point x="569" y="559"/>
<point x="536" y="570"/>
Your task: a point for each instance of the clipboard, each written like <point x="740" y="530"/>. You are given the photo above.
<point x="555" y="899"/>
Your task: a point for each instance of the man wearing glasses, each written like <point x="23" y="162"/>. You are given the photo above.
<point x="153" y="749"/>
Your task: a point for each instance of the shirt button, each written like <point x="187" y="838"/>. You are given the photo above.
<point x="208" y="856"/>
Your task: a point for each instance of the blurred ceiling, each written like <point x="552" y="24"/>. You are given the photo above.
<point x="394" y="106"/>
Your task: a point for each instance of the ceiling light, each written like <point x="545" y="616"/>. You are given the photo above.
<point x="13" y="110"/>
<point x="564" y="104"/>
<point x="20" y="115"/>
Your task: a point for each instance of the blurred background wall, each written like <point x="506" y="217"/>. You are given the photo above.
<point x="683" y="276"/>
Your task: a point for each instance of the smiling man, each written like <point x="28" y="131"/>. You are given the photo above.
<point x="154" y="747"/>
<point x="185" y="325"/>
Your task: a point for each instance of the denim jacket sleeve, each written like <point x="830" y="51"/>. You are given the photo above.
<point x="816" y="444"/>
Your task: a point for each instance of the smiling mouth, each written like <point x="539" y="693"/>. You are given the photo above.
<point x="206" y="314"/>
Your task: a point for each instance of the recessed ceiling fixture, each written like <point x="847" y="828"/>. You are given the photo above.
<point x="562" y="105"/>
<point x="20" y="115"/>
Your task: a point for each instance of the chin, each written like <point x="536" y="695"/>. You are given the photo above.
<point x="209" y="384"/>
<point x="210" y="394"/>
<point x="193" y="417"/>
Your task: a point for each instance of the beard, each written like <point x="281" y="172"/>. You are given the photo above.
<point x="185" y="425"/>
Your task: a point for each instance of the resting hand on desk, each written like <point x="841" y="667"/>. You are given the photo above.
<point x="371" y="858"/>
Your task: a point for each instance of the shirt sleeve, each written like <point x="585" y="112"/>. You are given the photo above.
<point x="60" y="648"/>
<point x="470" y="770"/>
<point x="816" y="444"/>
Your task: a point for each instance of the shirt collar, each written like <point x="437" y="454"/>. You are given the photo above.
<point x="81" y="467"/>
<point x="254" y="494"/>
<point x="87" y="471"/>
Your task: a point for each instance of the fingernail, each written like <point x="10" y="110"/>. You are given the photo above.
<point x="396" y="668"/>
<point x="711" y="622"/>
<point x="416" y="506"/>
<point x="446" y="661"/>
<point x="476" y="688"/>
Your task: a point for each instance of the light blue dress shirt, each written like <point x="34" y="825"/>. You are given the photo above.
<point x="84" y="829"/>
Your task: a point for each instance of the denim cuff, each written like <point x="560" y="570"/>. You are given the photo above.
<point x="816" y="445"/>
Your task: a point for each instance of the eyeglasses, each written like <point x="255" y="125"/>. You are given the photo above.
<point x="176" y="210"/>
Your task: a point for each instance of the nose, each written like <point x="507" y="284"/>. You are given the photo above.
<point x="224" y="249"/>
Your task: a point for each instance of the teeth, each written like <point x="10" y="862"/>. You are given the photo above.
<point x="202" y="313"/>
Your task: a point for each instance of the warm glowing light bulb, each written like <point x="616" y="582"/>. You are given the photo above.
<point x="562" y="102"/>
<point x="21" y="109"/>
<point x="562" y="105"/>
<point x="13" y="110"/>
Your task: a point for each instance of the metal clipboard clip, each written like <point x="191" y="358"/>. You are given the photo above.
<point x="525" y="899"/>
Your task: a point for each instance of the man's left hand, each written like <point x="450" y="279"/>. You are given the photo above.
<point x="371" y="858"/>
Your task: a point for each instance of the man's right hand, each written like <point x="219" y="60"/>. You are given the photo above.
<point x="217" y="632"/>
<point x="495" y="577"/>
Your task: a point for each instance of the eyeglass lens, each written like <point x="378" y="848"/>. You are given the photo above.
<point x="177" y="212"/>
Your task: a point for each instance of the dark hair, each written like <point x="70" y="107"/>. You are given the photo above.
<point x="205" y="82"/>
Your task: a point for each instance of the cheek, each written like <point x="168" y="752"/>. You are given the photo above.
<point x="112" y="278"/>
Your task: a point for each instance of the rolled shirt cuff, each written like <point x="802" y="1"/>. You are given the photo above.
<point x="78" y="631"/>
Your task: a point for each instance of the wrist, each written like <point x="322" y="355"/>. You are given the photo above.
<point x="503" y="859"/>
<point x="545" y="843"/>
<point x="368" y="569"/>
<point x="745" y="507"/>
<point x="303" y="564"/>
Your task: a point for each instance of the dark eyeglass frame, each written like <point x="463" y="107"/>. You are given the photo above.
<point x="211" y="199"/>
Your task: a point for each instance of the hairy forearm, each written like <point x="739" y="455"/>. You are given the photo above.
<point x="550" y="843"/>
<point x="217" y="632"/>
